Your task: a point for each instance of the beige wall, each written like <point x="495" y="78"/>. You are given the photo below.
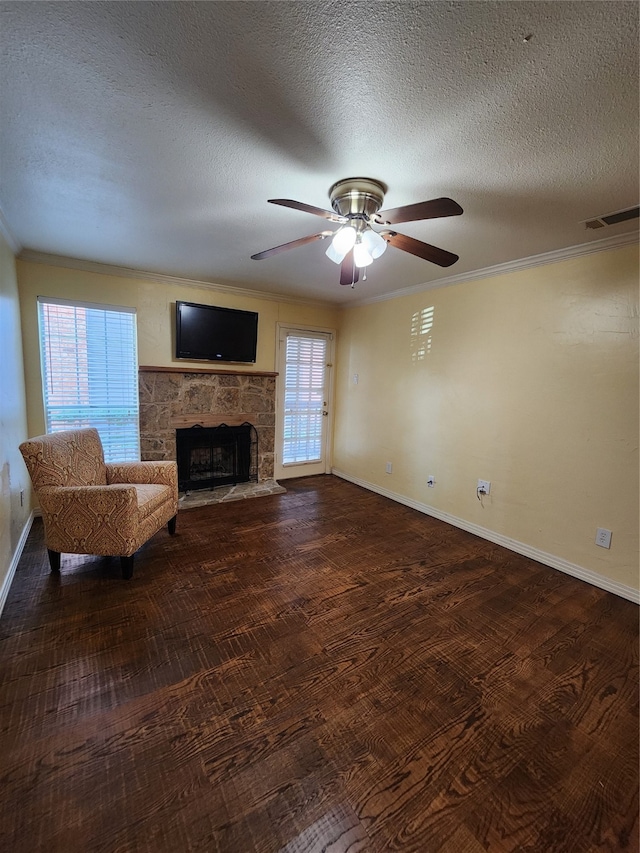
<point x="13" y="422"/>
<point x="155" y="304"/>
<point x="529" y="380"/>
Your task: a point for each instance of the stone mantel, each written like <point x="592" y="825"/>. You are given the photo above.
<point x="213" y="419"/>
<point x="178" y="398"/>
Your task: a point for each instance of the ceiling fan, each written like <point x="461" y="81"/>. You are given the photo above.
<point x="356" y="204"/>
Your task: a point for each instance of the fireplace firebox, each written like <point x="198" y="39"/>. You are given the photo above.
<point x="216" y="456"/>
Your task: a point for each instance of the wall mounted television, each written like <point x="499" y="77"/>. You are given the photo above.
<point x="209" y="333"/>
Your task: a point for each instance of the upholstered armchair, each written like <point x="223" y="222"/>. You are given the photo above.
<point x="93" y="507"/>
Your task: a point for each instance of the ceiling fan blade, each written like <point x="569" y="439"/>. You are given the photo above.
<point x="420" y="249"/>
<point x="308" y="208"/>
<point x="292" y="245"/>
<point x="422" y="210"/>
<point x="349" y="272"/>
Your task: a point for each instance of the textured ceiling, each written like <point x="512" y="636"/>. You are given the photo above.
<point x="150" y="135"/>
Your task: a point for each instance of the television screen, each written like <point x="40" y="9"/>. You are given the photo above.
<point x="209" y="333"/>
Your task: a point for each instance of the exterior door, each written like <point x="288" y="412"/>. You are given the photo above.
<point x="303" y="400"/>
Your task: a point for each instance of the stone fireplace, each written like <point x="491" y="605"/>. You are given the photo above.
<point x="180" y="398"/>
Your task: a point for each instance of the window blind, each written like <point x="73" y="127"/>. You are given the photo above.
<point x="90" y="372"/>
<point x="304" y="398"/>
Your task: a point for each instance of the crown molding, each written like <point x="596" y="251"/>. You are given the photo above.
<point x="557" y="255"/>
<point x="13" y="244"/>
<point x="34" y="257"/>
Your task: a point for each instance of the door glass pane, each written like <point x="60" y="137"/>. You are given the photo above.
<point x="304" y="399"/>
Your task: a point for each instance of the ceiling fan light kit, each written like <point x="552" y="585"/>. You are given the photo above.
<point x="375" y="243"/>
<point x="361" y="256"/>
<point x="366" y="243"/>
<point x="356" y="204"/>
<point x="343" y="241"/>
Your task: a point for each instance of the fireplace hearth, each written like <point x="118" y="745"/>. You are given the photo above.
<point x="216" y="456"/>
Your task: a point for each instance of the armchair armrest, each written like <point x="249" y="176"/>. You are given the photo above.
<point x="160" y="473"/>
<point x="89" y="519"/>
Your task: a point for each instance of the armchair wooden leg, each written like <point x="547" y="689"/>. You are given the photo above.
<point x="54" y="560"/>
<point x="127" y="567"/>
<point x="171" y="525"/>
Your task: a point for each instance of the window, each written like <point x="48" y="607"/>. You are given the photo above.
<point x="90" y="372"/>
<point x="304" y="398"/>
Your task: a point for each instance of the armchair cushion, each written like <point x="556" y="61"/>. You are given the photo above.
<point x="150" y="498"/>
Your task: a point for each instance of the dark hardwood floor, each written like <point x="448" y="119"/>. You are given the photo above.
<point x="323" y="670"/>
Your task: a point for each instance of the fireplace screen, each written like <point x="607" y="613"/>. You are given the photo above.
<point x="216" y="456"/>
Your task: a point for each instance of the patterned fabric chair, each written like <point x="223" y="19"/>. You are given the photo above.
<point x="93" y="507"/>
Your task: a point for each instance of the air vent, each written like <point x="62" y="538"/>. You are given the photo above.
<point x="613" y="218"/>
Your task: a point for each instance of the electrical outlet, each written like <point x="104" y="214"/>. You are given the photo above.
<point x="484" y="487"/>
<point x="355" y="378"/>
<point x="603" y="537"/>
<point x="431" y="481"/>
<point x="389" y="467"/>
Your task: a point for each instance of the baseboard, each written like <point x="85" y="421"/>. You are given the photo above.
<point x="4" y="590"/>
<point x="551" y="560"/>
